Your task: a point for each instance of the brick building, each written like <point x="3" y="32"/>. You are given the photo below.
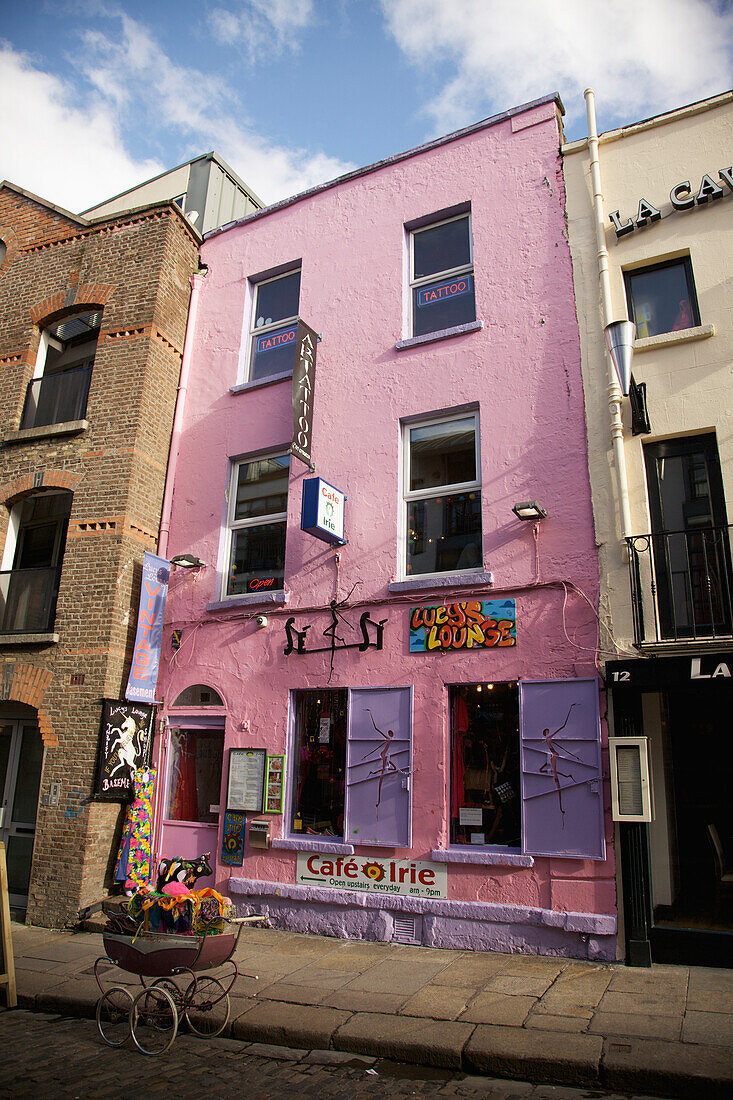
<point x="92" y="325"/>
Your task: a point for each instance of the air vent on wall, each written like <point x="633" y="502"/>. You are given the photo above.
<point x="407" y="929"/>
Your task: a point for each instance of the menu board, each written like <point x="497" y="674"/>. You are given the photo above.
<point x="246" y="785"/>
<point x="275" y="787"/>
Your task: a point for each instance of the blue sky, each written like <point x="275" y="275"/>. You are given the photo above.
<point x="97" y="96"/>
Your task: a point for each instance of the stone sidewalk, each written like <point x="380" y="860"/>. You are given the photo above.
<point x="666" y="1031"/>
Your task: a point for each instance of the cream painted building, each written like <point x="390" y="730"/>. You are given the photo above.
<point x="663" y="499"/>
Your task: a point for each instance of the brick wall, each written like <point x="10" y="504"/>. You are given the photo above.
<point x="137" y="269"/>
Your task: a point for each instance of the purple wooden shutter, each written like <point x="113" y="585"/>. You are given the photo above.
<point x="378" y="768"/>
<point x="562" y="789"/>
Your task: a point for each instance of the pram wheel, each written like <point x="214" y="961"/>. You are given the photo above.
<point x="207" y="1007"/>
<point x="113" y="1015"/>
<point x="153" y="1020"/>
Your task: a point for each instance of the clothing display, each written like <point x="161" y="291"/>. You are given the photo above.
<point x="133" y="862"/>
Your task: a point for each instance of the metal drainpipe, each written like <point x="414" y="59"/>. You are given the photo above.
<point x="614" y="389"/>
<point x="165" y="517"/>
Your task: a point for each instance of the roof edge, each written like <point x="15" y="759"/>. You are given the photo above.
<point x="395" y="158"/>
<point x="78" y="218"/>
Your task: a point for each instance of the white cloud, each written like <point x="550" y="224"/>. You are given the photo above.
<point x="67" y="153"/>
<point x="262" y="25"/>
<point x="640" y="58"/>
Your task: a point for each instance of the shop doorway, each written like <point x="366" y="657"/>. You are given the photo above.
<point x="21" y="759"/>
<point x="691" y="837"/>
<point x="192" y="792"/>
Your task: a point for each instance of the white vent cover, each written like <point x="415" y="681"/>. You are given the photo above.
<point x="406" y="929"/>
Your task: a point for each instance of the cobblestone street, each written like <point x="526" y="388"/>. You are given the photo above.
<point x="60" y="1058"/>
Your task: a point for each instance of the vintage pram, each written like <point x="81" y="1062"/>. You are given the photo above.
<point x="175" y="985"/>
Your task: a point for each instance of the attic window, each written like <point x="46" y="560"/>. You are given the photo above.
<point x="75" y="329"/>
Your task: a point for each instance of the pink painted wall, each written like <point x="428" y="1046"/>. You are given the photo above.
<point x="523" y="372"/>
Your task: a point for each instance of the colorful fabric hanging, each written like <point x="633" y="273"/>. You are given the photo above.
<point x="133" y="862"/>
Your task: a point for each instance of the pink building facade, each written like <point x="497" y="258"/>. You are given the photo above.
<point x="407" y="720"/>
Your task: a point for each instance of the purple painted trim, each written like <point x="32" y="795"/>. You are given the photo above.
<point x="480" y="855"/>
<point x="468" y="580"/>
<point x="439" y="334"/>
<point x="258" y="383"/>
<point x="484" y="124"/>
<point x="598" y="924"/>
<point x="246" y="601"/>
<point x="300" y="844"/>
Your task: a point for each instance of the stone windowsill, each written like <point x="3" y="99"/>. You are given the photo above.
<point x="257" y="598"/>
<point x="313" y="844"/>
<point x="460" y="580"/>
<point x="46" y="431"/>
<point x="29" y="639"/>
<point x="496" y="858"/>
<point x="258" y="383"/>
<point x="440" y="334"/>
<point x="667" y="339"/>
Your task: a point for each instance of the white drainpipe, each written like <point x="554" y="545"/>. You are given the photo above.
<point x="614" y="389"/>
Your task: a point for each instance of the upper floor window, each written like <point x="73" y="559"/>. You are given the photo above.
<point x="441" y="276"/>
<point x="258" y="502"/>
<point x="661" y="298"/>
<point x="31" y="566"/>
<point x="274" y="325"/>
<point x="58" y="393"/>
<point x="442" y="491"/>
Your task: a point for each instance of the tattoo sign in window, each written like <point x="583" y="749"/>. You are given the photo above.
<point x="274" y="326"/>
<point x="441" y="276"/>
<point x="485" y="774"/>
<point x="662" y="298"/>
<point x="258" y="501"/>
<point x="442" y="497"/>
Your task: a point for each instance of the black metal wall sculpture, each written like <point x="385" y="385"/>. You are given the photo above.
<point x="296" y="639"/>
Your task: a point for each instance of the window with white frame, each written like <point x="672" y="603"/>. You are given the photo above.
<point x="441" y="276"/>
<point x="59" y="389"/>
<point x="258" y="501"/>
<point x="274" y="326"/>
<point x="442" y="493"/>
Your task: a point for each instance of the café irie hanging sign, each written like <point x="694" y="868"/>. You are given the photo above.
<point x="406" y="877"/>
<point x="472" y="624"/>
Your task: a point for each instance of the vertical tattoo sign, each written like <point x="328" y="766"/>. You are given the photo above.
<point x="304" y="379"/>
<point x="146" y="654"/>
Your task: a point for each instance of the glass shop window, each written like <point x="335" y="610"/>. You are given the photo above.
<point x="662" y="298"/>
<point x="441" y="276"/>
<point x="274" y="325"/>
<point x="485" y="806"/>
<point x="320" y="763"/>
<point x="194" y="782"/>
<point x="443" y="496"/>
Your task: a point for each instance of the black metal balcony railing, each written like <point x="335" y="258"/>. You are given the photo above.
<point x="681" y="584"/>
<point x="28" y="600"/>
<point x="57" y="398"/>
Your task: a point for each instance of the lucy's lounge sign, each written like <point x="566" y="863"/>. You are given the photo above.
<point x="408" y="877"/>
<point x="682" y="197"/>
<point x="474" y="624"/>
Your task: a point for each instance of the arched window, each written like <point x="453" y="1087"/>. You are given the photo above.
<point x="60" y="386"/>
<point x="199" y="695"/>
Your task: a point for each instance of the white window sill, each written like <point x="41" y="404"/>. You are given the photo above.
<point x="455" y="580"/>
<point x="29" y="639"/>
<point x="488" y="858"/>
<point x="313" y="844"/>
<point x="276" y="597"/>
<point x="258" y="383"/>
<point x="439" y="334"/>
<point x="666" y="339"/>
<point x="70" y="427"/>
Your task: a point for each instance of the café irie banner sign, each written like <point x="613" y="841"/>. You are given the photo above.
<point x="407" y="877"/>
<point x="473" y="624"/>
<point x="143" y="677"/>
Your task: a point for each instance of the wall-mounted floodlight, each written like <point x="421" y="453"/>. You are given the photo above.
<point x="620" y="343"/>
<point x="529" y="509"/>
<point x="187" y="561"/>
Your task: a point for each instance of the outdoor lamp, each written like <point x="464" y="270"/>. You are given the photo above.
<point x="187" y="561"/>
<point x="620" y="344"/>
<point x="529" y="509"/>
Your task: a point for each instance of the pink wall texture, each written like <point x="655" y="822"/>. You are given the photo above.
<point x="521" y="372"/>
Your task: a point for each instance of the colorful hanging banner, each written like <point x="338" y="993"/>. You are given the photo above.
<point x="232" y="841"/>
<point x="146" y="655"/>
